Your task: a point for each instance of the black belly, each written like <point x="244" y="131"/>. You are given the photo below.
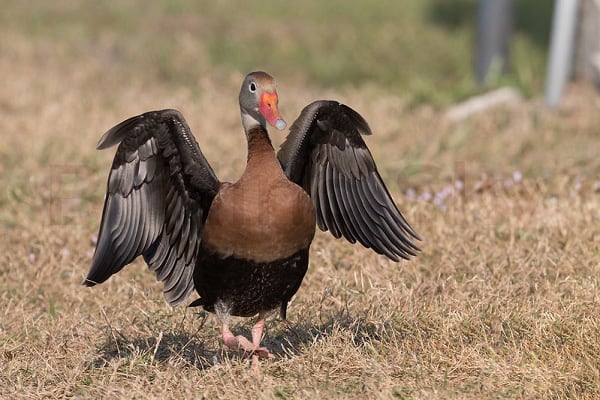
<point x="247" y="287"/>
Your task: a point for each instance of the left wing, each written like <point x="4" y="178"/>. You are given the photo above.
<point x="326" y="155"/>
<point x="159" y="191"/>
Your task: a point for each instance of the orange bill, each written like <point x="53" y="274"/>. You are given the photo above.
<point x="269" y="109"/>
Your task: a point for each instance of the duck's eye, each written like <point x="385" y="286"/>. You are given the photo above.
<point x="252" y="87"/>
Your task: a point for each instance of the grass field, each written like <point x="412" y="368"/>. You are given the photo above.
<point x="502" y="302"/>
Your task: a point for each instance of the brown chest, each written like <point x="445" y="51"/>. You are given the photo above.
<point x="260" y="220"/>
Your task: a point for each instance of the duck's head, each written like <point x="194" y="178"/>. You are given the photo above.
<point x="258" y="101"/>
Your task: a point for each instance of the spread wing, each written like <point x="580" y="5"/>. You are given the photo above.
<point x="326" y="155"/>
<point x="159" y="191"/>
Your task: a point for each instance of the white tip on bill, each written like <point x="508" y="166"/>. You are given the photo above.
<point x="280" y="124"/>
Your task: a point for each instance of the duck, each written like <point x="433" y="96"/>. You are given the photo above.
<point x="243" y="247"/>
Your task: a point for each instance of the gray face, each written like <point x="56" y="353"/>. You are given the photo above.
<point x="260" y="87"/>
<point x="249" y="96"/>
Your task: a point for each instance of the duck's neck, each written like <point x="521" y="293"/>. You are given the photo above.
<point x="261" y="155"/>
<point x="258" y="142"/>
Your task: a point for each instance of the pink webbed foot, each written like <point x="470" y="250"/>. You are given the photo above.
<point x="241" y="343"/>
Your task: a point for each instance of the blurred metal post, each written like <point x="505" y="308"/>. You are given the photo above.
<point x="494" y="23"/>
<point x="560" y="59"/>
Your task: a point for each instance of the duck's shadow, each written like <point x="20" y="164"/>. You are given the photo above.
<point x="286" y="340"/>
<point x="169" y="348"/>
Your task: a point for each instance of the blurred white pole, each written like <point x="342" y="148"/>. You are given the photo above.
<point x="560" y="59"/>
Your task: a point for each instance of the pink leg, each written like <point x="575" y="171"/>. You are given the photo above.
<point x="241" y="343"/>
<point x="257" y="333"/>
<point x="234" y="342"/>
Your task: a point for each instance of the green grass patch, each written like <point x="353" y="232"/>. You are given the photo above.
<point x="420" y="49"/>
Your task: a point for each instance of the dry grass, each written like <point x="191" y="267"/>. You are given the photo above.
<point x="502" y="302"/>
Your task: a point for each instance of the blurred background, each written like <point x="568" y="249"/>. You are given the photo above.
<point x="423" y="50"/>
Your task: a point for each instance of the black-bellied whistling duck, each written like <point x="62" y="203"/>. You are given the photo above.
<point x="243" y="246"/>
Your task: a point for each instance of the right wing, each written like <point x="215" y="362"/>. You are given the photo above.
<point x="326" y="155"/>
<point x="159" y="191"/>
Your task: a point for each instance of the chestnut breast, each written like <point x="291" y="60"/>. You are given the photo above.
<point x="260" y="218"/>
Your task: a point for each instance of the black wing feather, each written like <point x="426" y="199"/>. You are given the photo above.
<point x="159" y="191"/>
<point x="326" y="155"/>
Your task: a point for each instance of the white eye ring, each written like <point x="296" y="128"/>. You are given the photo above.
<point x="252" y="87"/>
